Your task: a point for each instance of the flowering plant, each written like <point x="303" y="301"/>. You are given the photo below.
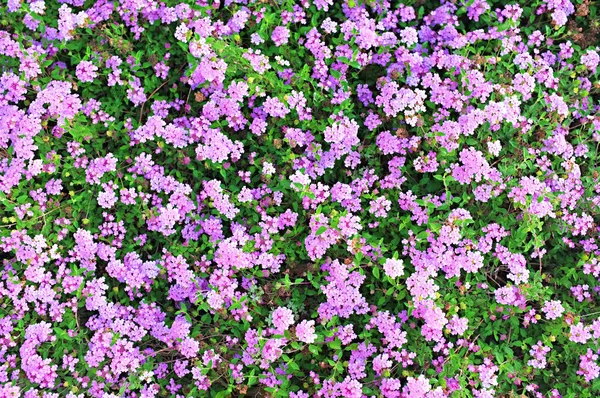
<point x="354" y="198"/>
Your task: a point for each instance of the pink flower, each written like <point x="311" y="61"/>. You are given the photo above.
<point x="381" y="362"/>
<point x="349" y="225"/>
<point x="559" y="17"/>
<point x="553" y="309"/>
<point x="588" y="367"/>
<point x="538" y="351"/>
<point x="417" y="388"/>
<point x="86" y="71"/>
<point x="458" y="326"/>
<point x="580" y="333"/>
<point x="280" y="35"/>
<point x="380" y="206"/>
<point x="283" y="318"/>
<point x="305" y="331"/>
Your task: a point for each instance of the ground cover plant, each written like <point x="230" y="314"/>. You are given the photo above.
<point x="299" y="198"/>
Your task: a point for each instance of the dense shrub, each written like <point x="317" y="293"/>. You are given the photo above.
<point x="314" y="198"/>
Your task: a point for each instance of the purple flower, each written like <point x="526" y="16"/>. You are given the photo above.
<point x="86" y="71"/>
<point x="280" y="35"/>
<point x="591" y="59"/>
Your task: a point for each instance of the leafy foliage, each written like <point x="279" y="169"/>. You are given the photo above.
<point x="299" y="198"/>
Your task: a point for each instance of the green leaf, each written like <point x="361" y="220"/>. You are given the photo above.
<point x="224" y="393"/>
<point x="376" y="272"/>
<point x="321" y="229"/>
<point x="336" y="344"/>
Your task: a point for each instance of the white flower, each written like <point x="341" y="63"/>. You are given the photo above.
<point x="181" y="33"/>
<point x="147" y="376"/>
<point x="38" y="7"/>
<point x="393" y="268"/>
<point x="494" y="147"/>
<point x="268" y="169"/>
